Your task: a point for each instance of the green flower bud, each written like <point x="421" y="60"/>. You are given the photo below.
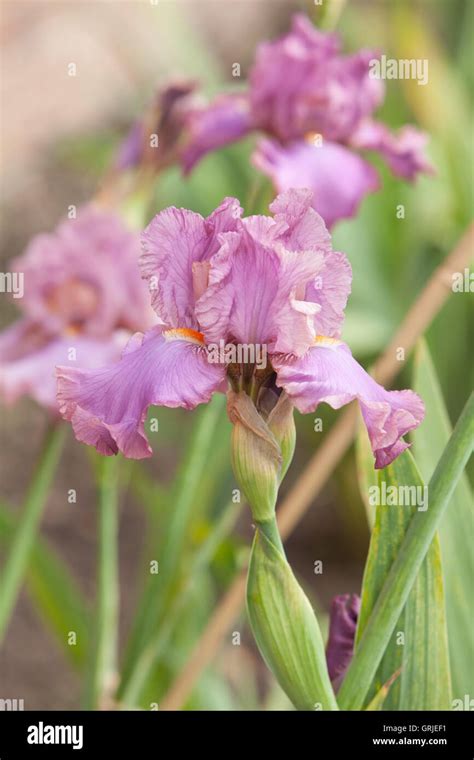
<point x="286" y="630"/>
<point x="256" y="456"/>
<point x="282" y="424"/>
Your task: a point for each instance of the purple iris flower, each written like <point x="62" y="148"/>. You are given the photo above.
<point x="316" y="108"/>
<point x="271" y="282"/>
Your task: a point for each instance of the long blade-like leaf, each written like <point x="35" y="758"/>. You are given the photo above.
<point x="405" y="568"/>
<point x="456" y="529"/>
<point x="418" y="645"/>
<point x="18" y="557"/>
<point x="54" y="592"/>
<point x="157" y="588"/>
<point x="366" y="473"/>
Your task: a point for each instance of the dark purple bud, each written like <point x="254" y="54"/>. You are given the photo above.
<point x="154" y="139"/>
<point x="344" y="614"/>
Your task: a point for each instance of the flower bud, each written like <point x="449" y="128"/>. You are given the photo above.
<point x="256" y="456"/>
<point x="282" y="424"/>
<point x="345" y="610"/>
<point x="286" y="629"/>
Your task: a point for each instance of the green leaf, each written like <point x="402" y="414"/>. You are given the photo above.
<point x="156" y="593"/>
<point x="418" y="645"/>
<point x="286" y="629"/>
<point x="366" y="472"/>
<point x="150" y="654"/>
<point x="378" y="701"/>
<point x="53" y="591"/>
<point x="404" y="570"/>
<point x="457" y="526"/>
<point x="17" y="560"/>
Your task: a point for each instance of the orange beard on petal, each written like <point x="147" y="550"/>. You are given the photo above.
<point x="322" y="340"/>
<point x="184" y="333"/>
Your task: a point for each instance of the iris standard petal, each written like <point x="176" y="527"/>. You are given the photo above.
<point x="173" y="242"/>
<point x="297" y="224"/>
<point x="286" y="81"/>
<point x="256" y="293"/>
<point x="330" y="289"/>
<point x="301" y="83"/>
<point x="300" y="227"/>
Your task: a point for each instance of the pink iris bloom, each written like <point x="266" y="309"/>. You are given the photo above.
<point x="83" y="298"/>
<point x="259" y="281"/>
<point x="316" y="107"/>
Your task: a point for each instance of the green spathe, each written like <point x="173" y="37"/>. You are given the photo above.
<point x="282" y="424"/>
<point x="256" y="456"/>
<point x="286" y="629"/>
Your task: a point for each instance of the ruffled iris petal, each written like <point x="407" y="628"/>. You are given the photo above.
<point x="256" y="293"/>
<point x="300" y="227"/>
<point x="107" y="407"/>
<point x="174" y="241"/>
<point x="404" y="151"/>
<point x="329" y="373"/>
<point x="338" y="178"/>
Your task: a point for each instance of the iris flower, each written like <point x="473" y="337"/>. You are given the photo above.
<point x="272" y="282"/>
<point x="83" y="299"/>
<point x="316" y="108"/>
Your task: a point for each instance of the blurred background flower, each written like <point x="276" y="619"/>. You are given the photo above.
<point x="83" y="298"/>
<point x="318" y="107"/>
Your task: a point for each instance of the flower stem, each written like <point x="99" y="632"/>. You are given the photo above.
<point x="17" y="560"/>
<point x="405" y="568"/>
<point x="103" y="662"/>
<point x="270" y="530"/>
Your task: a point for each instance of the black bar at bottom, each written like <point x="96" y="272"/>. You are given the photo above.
<point x="150" y="734"/>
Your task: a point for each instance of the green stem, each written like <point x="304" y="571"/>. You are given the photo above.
<point x="17" y="560"/>
<point x="151" y="653"/>
<point x="104" y="663"/>
<point x="405" y="568"/>
<point x="269" y="529"/>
